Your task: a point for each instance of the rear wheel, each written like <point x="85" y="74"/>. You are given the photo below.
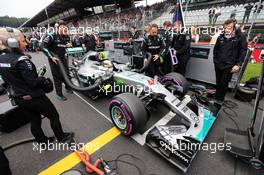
<point x="176" y="83"/>
<point x="128" y="113"/>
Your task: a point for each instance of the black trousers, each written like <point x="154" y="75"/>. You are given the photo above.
<point x="167" y="65"/>
<point x="4" y="163"/>
<point x="154" y="68"/>
<point x="182" y="63"/>
<point x="57" y="75"/>
<point x="223" y="77"/>
<point x="34" y="109"/>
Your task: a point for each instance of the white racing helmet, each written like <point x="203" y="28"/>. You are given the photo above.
<point x="107" y="64"/>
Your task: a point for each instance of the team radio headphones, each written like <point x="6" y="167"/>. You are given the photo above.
<point x="11" y="41"/>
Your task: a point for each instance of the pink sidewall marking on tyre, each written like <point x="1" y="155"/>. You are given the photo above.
<point x="170" y="79"/>
<point x="129" y="120"/>
<point x="167" y="78"/>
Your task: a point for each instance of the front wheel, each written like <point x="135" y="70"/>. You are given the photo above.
<point x="128" y="113"/>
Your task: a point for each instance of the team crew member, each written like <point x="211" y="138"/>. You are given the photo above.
<point x="89" y="41"/>
<point x="155" y="45"/>
<point x="147" y="31"/>
<point x="135" y="40"/>
<point x="77" y="40"/>
<point x="229" y="53"/>
<point x="167" y="36"/>
<point x="54" y="45"/>
<point x="181" y="44"/>
<point x="134" y="34"/>
<point x="20" y="75"/>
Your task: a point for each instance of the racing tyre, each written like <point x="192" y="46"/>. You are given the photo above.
<point x="176" y="83"/>
<point x="128" y="113"/>
<point x="245" y="94"/>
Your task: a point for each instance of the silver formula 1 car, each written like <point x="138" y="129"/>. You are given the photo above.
<point x="175" y="136"/>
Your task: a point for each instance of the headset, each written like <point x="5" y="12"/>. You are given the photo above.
<point x="11" y="41"/>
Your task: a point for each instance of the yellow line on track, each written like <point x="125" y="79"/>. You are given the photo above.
<point x="72" y="160"/>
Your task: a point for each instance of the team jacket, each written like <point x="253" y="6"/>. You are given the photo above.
<point x="135" y="36"/>
<point x="181" y="42"/>
<point x="154" y="45"/>
<point x="168" y="36"/>
<point x="230" y="52"/>
<point x="89" y="41"/>
<point x="19" y="73"/>
<point x="56" y="44"/>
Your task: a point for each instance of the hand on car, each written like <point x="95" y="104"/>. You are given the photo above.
<point x="55" y="60"/>
<point x="235" y="69"/>
<point x="155" y="57"/>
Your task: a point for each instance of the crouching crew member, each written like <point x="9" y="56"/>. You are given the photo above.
<point x="28" y="89"/>
<point x="54" y="45"/>
<point x="154" y="44"/>
<point x="181" y="44"/>
<point x="229" y="53"/>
